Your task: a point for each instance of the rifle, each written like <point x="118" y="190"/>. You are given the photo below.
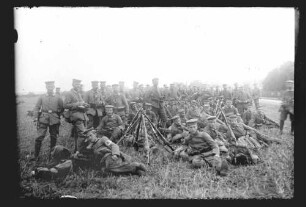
<point x="38" y="116"/>
<point x="228" y="126"/>
<point x="261" y="136"/>
<point x="273" y="122"/>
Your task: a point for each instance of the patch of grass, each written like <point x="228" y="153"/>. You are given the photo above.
<point x="166" y="178"/>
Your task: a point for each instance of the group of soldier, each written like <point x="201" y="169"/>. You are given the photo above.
<point x="208" y="126"/>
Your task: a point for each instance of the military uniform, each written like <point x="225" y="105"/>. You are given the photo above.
<point x="243" y="99"/>
<point x="157" y="107"/>
<point x="96" y="107"/>
<point x="201" y="150"/>
<point x="287" y="107"/>
<point x="47" y="112"/>
<point x="111" y="126"/>
<point x="75" y="112"/>
<point x="105" y="154"/>
<point x="121" y="106"/>
<point x="255" y="96"/>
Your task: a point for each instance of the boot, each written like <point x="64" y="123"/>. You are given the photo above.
<point x="281" y="126"/>
<point x="37" y="150"/>
<point x="52" y="145"/>
<point x="224" y="168"/>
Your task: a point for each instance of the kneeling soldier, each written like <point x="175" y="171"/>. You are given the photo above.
<point x="200" y="149"/>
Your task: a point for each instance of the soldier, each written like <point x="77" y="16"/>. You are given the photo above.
<point x="157" y="102"/>
<point x="47" y="115"/>
<point x="193" y="112"/>
<point x="244" y="136"/>
<point x="182" y="115"/>
<point x="258" y="119"/>
<point x="175" y="131"/>
<point x="135" y="93"/>
<point x="243" y="100"/>
<point x="216" y="131"/>
<point x="287" y="106"/>
<point x="103" y="152"/>
<point x="256" y="95"/>
<point x="150" y="114"/>
<point x="123" y="90"/>
<point x="75" y="112"/>
<point x="111" y="125"/>
<point x="58" y="91"/>
<point x="200" y="149"/>
<point x="133" y="112"/>
<point x="118" y="100"/>
<point x="173" y="94"/>
<point x="103" y="91"/>
<point x="96" y="105"/>
<point x="235" y="94"/>
<point x="226" y="93"/>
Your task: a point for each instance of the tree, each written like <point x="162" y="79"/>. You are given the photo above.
<point x="275" y="80"/>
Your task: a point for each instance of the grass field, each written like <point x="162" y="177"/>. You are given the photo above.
<point x="166" y="178"/>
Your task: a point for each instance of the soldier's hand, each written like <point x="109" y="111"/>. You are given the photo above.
<point x="114" y="157"/>
<point x="35" y="120"/>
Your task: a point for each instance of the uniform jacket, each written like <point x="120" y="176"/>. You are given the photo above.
<point x="155" y="97"/>
<point x="51" y="106"/>
<point x="70" y="103"/>
<point x="96" y="102"/>
<point x="226" y="94"/>
<point x="230" y="109"/>
<point x="152" y="116"/>
<point x="201" y="141"/>
<point x="118" y="101"/>
<point x="256" y="93"/>
<point x="110" y="122"/>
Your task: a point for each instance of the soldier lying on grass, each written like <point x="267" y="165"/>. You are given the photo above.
<point x="101" y="153"/>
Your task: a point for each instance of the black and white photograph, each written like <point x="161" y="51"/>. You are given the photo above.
<point x="155" y="102"/>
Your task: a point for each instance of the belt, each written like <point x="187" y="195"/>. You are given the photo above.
<point x="49" y="111"/>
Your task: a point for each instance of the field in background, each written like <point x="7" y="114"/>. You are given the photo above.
<point x="166" y="178"/>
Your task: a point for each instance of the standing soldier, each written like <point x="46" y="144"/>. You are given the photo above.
<point x="287" y="106"/>
<point x="243" y="99"/>
<point x="173" y="92"/>
<point x="157" y="102"/>
<point x="58" y="91"/>
<point x="47" y="115"/>
<point x="256" y="95"/>
<point x="227" y="95"/>
<point x="123" y="90"/>
<point x="75" y="109"/>
<point x="103" y="90"/>
<point x="135" y="93"/>
<point x="235" y="94"/>
<point x="96" y="105"/>
<point x="118" y="100"/>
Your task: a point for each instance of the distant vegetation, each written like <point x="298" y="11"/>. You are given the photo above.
<point x="275" y="80"/>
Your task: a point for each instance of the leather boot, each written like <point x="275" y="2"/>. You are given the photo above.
<point x="52" y="145"/>
<point x="281" y="126"/>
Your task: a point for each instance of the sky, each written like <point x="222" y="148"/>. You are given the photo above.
<point x="212" y="45"/>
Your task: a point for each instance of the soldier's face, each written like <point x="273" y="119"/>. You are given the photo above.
<point x="193" y="128"/>
<point x="115" y="89"/>
<point x="109" y="111"/>
<point x="50" y="89"/>
<point x="77" y="86"/>
<point x="155" y="82"/>
<point x="228" y="103"/>
<point x="95" y="86"/>
<point x="232" y="120"/>
<point x="177" y="121"/>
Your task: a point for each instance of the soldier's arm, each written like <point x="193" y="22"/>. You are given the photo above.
<point x="111" y="145"/>
<point x="60" y="105"/>
<point x="213" y="145"/>
<point x="68" y="104"/>
<point x="120" y="122"/>
<point x="101" y="124"/>
<point x="127" y="109"/>
<point x="37" y="107"/>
